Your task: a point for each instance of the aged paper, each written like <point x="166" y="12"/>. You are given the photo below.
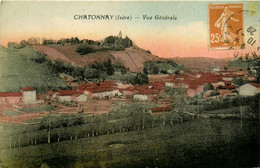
<point x="129" y="84"/>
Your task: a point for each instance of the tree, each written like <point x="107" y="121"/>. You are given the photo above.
<point x="12" y="45"/>
<point x="141" y="79"/>
<point x="239" y="81"/>
<point x="72" y="40"/>
<point x="214" y="93"/>
<point x="127" y="42"/>
<point x="90" y="73"/>
<point x="35" y="40"/>
<point x="77" y="40"/>
<point x="179" y="101"/>
<point x="110" y="40"/>
<point x="208" y="86"/>
<point x="123" y="71"/>
<point x="155" y="70"/>
<point x="85" y="49"/>
<point x="22" y="44"/>
<point x="109" y="67"/>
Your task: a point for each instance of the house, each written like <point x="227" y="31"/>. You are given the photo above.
<point x="128" y="92"/>
<point x="10" y="98"/>
<point x="227" y="92"/>
<point x="215" y="69"/>
<point x="26" y="95"/>
<point x="104" y="92"/>
<point x="29" y="94"/>
<point x="250" y="78"/>
<point x="220" y="83"/>
<point x="194" y="89"/>
<point x="249" y="89"/>
<point x="141" y="97"/>
<point x="176" y="85"/>
<point x="51" y="95"/>
<point x="145" y="94"/>
<point x="71" y="95"/>
<point x="228" y="77"/>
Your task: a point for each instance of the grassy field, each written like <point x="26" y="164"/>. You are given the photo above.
<point x="17" y="71"/>
<point x="199" y="143"/>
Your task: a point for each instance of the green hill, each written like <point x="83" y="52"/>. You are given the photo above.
<point x="17" y="70"/>
<point x="242" y="63"/>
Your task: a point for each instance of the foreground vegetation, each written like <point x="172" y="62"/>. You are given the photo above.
<point x="199" y="143"/>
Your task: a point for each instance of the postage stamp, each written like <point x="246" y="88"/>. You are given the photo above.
<point x="226" y="26"/>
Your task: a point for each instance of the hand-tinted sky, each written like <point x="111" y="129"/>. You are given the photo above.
<point x="185" y="37"/>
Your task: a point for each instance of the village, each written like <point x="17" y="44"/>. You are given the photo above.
<point x="98" y="98"/>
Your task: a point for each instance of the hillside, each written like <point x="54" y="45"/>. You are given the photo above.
<point x="132" y="58"/>
<point x="244" y="64"/>
<point x="17" y="70"/>
<point x="202" y="63"/>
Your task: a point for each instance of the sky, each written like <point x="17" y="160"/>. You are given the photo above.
<point x="188" y="36"/>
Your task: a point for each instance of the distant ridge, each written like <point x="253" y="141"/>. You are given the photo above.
<point x="203" y="63"/>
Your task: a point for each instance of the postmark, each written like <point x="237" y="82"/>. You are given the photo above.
<point x="226" y="26"/>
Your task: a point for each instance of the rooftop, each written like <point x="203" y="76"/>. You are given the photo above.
<point x="69" y="93"/>
<point x="11" y="94"/>
<point x="27" y="89"/>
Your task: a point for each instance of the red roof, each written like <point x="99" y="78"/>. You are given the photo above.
<point x="110" y="81"/>
<point x="82" y="87"/>
<point x="129" y="89"/>
<point x="101" y="89"/>
<point x="50" y="92"/>
<point x="228" y="82"/>
<point x="160" y="109"/>
<point x="144" y="90"/>
<point x="11" y="94"/>
<point x="106" y="84"/>
<point x="158" y="85"/>
<point x="69" y="93"/>
<point x="147" y="91"/>
<point x="194" y="82"/>
<point x="228" y="87"/>
<point x="28" y="89"/>
<point x="225" y="71"/>
<point x="255" y="84"/>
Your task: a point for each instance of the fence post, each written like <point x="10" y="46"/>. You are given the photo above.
<point x="35" y="139"/>
<point x="14" y="142"/>
<point x="10" y="140"/>
<point x="19" y="140"/>
<point x="164" y="119"/>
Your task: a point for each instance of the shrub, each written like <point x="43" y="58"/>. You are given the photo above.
<point x="85" y="49"/>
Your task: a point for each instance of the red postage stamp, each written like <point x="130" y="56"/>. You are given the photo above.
<point x="226" y="26"/>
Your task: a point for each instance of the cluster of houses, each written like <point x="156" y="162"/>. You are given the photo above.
<point x="222" y="81"/>
<point x="26" y="95"/>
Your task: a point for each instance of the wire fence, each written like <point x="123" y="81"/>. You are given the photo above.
<point x="84" y="127"/>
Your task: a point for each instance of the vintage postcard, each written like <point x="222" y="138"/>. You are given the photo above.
<point x="129" y="84"/>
